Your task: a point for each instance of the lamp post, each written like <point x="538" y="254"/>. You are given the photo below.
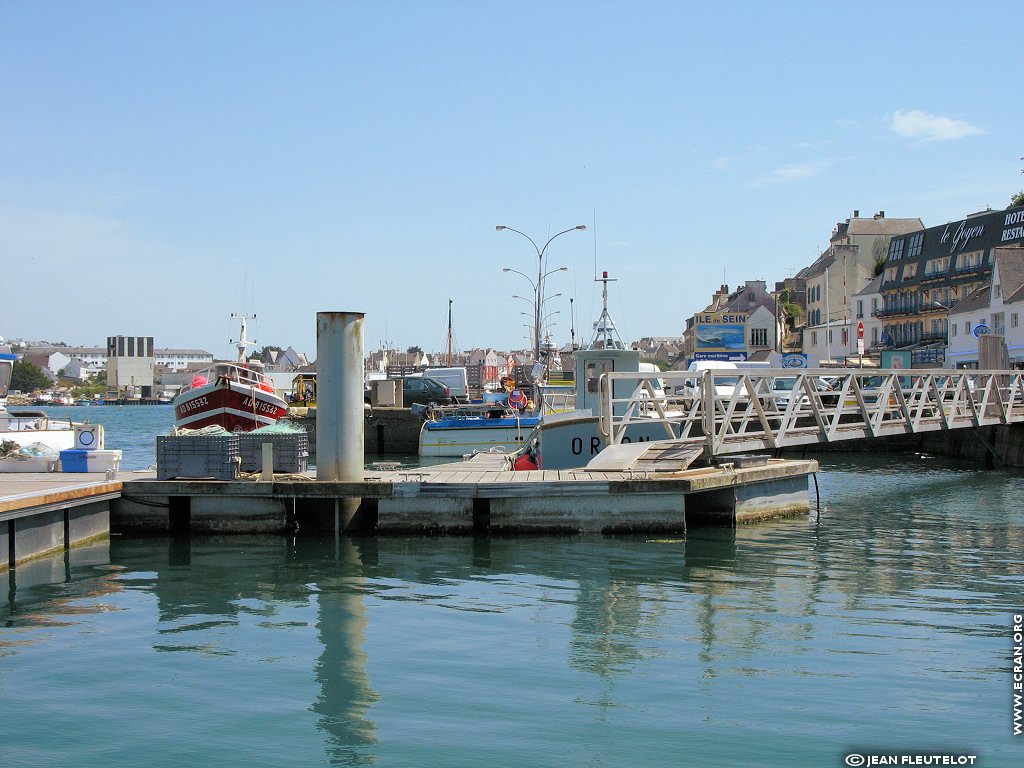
<point x="538" y="286"/>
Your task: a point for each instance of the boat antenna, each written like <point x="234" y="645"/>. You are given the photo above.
<point x="572" y="326"/>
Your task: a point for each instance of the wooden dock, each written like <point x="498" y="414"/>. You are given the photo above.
<point x="45" y="513"/>
<point x="479" y="496"/>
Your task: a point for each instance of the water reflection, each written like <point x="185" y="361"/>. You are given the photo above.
<point x="373" y="639"/>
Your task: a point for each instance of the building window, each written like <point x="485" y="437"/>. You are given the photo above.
<point x="814" y="338"/>
<point x="914" y="249"/>
<point x="996" y="291"/>
<point x="967" y="327"/>
<point x="896" y="250"/>
<point x="874" y="336"/>
<point x="953" y="328"/>
<point x="909" y="271"/>
<point x="1014" y="320"/>
<point x="759" y="337"/>
<point x="860" y="309"/>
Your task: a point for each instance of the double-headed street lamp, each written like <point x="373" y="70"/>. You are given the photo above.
<point x="538" y="286"/>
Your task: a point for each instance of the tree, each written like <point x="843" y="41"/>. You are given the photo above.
<point x="880" y="253"/>
<point x="28" y="377"/>
<point x="414" y="350"/>
<point x="264" y="354"/>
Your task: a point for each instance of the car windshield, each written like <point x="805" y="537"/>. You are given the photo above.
<point x="784" y="383"/>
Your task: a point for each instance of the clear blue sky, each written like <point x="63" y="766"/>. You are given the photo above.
<point x="163" y="165"/>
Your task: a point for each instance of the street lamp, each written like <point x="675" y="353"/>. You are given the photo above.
<point x="538" y="286"/>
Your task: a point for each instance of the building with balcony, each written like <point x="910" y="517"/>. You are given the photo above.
<point x="931" y="270"/>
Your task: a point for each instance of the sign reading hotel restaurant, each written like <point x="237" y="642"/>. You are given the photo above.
<point x="720" y="336"/>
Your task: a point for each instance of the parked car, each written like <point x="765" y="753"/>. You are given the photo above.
<point x="782" y="391"/>
<point x="420" y="390"/>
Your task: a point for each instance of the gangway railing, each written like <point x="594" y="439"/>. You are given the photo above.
<point x="738" y="410"/>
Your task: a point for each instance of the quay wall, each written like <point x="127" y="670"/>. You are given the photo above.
<point x="387" y="430"/>
<point x="991" y="446"/>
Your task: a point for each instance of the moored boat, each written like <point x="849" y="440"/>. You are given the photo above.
<point x="569" y="439"/>
<point x="25" y="428"/>
<point x="459" y="430"/>
<point x="237" y="396"/>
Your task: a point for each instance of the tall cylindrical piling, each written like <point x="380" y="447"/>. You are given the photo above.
<point x="339" y="416"/>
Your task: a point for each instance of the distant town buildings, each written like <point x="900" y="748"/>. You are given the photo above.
<point x="882" y="285"/>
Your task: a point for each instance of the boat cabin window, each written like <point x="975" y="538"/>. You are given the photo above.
<point x="594" y="370"/>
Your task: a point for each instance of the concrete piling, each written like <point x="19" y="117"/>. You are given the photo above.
<point x="339" y="418"/>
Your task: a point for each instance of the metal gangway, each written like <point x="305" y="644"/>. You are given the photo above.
<point x="728" y="411"/>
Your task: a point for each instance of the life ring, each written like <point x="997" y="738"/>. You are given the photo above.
<point x="517" y="399"/>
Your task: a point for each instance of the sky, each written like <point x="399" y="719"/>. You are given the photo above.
<point x="164" y="165"/>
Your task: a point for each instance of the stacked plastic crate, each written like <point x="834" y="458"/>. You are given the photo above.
<point x="197" y="456"/>
<point x="291" y="450"/>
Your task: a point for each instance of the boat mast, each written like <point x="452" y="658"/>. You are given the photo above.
<point x="605" y="332"/>
<point x="449" y="333"/>
<point x="242" y="342"/>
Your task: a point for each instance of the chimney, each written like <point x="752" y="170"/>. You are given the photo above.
<point x="880" y="215"/>
<point x="856" y="214"/>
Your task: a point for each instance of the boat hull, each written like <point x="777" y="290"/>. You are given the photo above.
<point x="236" y="407"/>
<point x="459" y="436"/>
<point x="571" y="442"/>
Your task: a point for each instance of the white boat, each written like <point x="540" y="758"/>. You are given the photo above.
<point x="26" y="427"/>
<point x="570" y="439"/>
<point x="474" y="428"/>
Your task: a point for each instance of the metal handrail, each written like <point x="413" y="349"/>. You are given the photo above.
<point x="729" y="411"/>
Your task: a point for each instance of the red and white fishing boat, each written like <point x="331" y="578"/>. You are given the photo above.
<point x="237" y="396"/>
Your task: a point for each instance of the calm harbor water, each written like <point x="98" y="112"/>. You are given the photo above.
<point x="884" y="626"/>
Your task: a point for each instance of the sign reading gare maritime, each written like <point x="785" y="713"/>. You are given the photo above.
<point x="720" y="336"/>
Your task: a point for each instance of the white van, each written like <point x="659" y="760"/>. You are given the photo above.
<point x="454" y="379"/>
<point x="657" y="385"/>
<point x="724" y="385"/>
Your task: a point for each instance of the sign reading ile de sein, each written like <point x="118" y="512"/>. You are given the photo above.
<point x="720" y="332"/>
<point x="720" y="318"/>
